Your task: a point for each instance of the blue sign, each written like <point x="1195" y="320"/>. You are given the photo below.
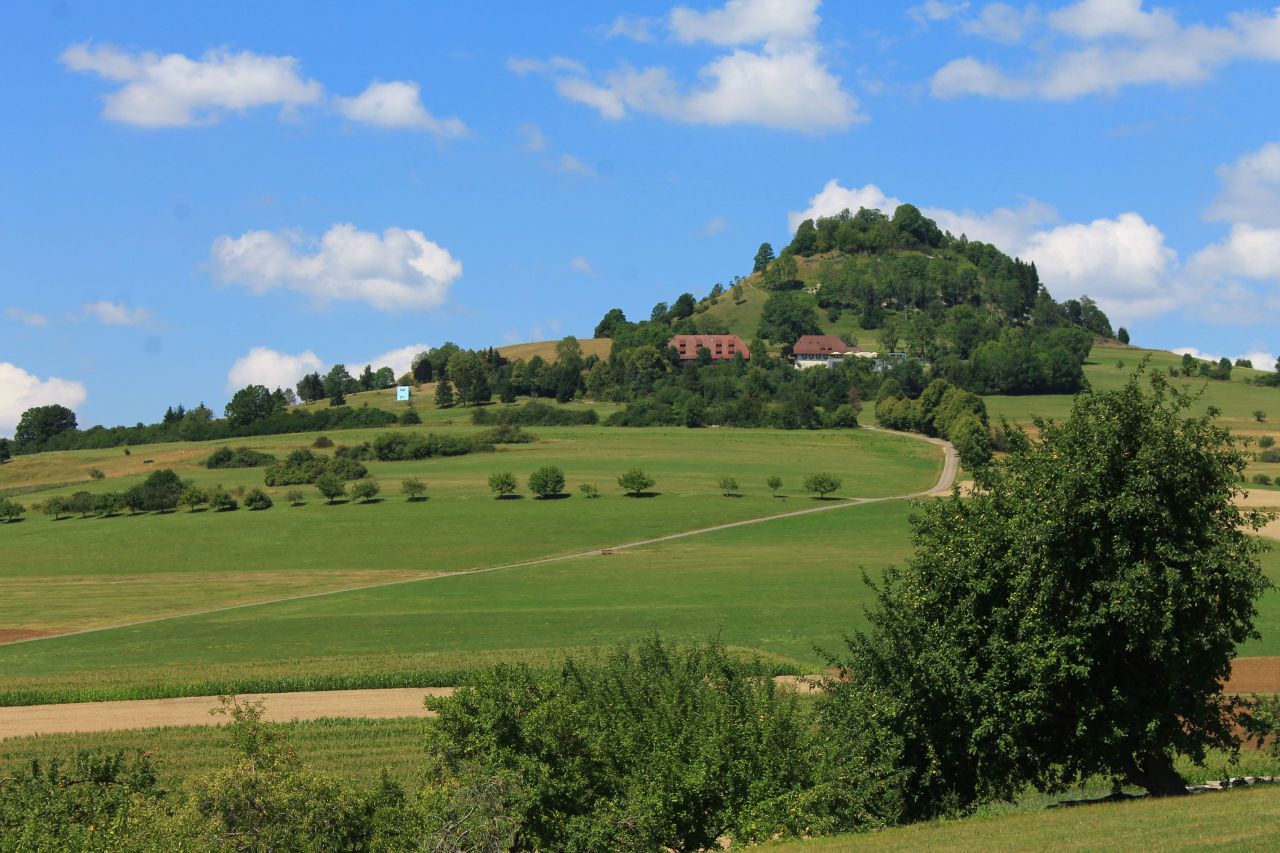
<point x="402" y="392"/>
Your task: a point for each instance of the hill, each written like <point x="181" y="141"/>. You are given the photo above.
<point x="546" y="350"/>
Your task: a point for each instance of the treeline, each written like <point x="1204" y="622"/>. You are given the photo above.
<point x="945" y="411"/>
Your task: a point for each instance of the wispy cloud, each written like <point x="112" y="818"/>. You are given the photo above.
<point x="27" y="318"/>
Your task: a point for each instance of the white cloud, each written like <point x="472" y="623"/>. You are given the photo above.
<point x="746" y="22"/>
<point x="775" y="75"/>
<point x="1250" y="189"/>
<point x="1260" y="359"/>
<point x="582" y="265"/>
<point x="173" y="90"/>
<point x="714" y="225"/>
<point x="117" y="314"/>
<point x="1102" y="46"/>
<point x="400" y="359"/>
<point x="634" y="28"/>
<point x="534" y="140"/>
<point x="1247" y="252"/>
<point x="934" y="10"/>
<point x="398" y="104"/>
<point x="28" y="318"/>
<point x="569" y="163"/>
<point x="20" y="390"/>
<point x="399" y="270"/>
<point x="272" y="368"/>
<point x="834" y="198"/>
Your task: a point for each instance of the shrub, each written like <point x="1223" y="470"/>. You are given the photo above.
<point x="589" y="490"/>
<point x="220" y="500"/>
<point x="303" y="467"/>
<point x="534" y="413"/>
<point x="647" y="748"/>
<point x="80" y="503"/>
<point x="366" y="490"/>
<point x="96" y="474"/>
<point x="1271" y="455"/>
<point x="547" y="481"/>
<point x="358" y="452"/>
<point x="1266" y="441"/>
<point x="775" y="485"/>
<point x="241" y="457"/>
<point x="822" y="484"/>
<point x="193" y="496"/>
<point x="972" y="442"/>
<point x="410" y="417"/>
<point x="635" y="481"/>
<point x="1262" y="479"/>
<point x="106" y="504"/>
<point x="503" y="484"/>
<point x="504" y="434"/>
<point x="11" y="510"/>
<point x="257" y="499"/>
<point x="413" y="488"/>
<point x="322" y="441"/>
<point x="728" y="485"/>
<point x="401" y="446"/>
<point x="294" y="497"/>
<point x="331" y="487"/>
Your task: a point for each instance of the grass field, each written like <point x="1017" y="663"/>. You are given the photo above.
<point x="78" y="573"/>
<point x="599" y="347"/>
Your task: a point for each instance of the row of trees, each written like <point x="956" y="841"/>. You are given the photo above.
<point x="337" y="383"/>
<point x="941" y="410"/>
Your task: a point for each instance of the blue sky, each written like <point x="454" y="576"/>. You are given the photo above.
<point x="196" y="196"/>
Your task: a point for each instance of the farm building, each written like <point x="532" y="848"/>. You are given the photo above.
<point x="721" y="347"/>
<point x="823" y="351"/>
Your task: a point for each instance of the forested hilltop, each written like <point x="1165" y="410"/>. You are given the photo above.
<point x="950" y="308"/>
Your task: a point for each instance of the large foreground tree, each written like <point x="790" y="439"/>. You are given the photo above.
<point x="1077" y="615"/>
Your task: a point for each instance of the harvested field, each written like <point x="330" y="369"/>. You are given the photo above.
<point x="9" y="635"/>
<point x="1255" y="675"/>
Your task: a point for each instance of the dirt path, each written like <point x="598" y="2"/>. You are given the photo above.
<point x="950" y="466"/>
<point x="195" y="711"/>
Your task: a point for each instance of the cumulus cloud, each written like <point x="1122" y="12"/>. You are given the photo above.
<point x="173" y="90"/>
<point x="1101" y="46"/>
<point x="272" y="368"/>
<point x="774" y="76"/>
<point x="1250" y="189"/>
<point x="117" y="314"/>
<point x="399" y="359"/>
<point x="20" y="390"/>
<point x="27" y="318"/>
<point x="398" y="104"/>
<point x="399" y="270"/>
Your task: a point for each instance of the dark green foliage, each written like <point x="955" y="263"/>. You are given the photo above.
<point x="107" y="504"/>
<point x="775" y="484"/>
<point x="1266" y="441"/>
<point x="413" y="488"/>
<point x="80" y="503"/>
<point x="1259" y="416"/>
<point x="220" y="500"/>
<point x="1077" y="615"/>
<point x="547" y="481"/>
<point x="1262" y="479"/>
<point x="97" y="474"/>
<point x="728" y="485"/>
<point x="161" y="490"/>
<point x="40" y="424"/>
<point x="610" y="323"/>
<point x="257" y="499"/>
<point x="1122" y="335"/>
<point x="11" y="510"/>
<point x="6" y="453"/>
<point x="361" y="452"/>
<point x="471" y="377"/>
<point x="787" y="316"/>
<point x="534" y="413"/>
<point x="302" y="466"/>
<point x="822" y="484"/>
<point x="589" y="490"/>
<point x="1271" y="455"/>
<point x="393" y="446"/>
<point x="54" y="506"/>
<point x="322" y="441"/>
<point x="410" y="417"/>
<point x="444" y="394"/>
<point x="294" y="497"/>
<point x="252" y="403"/>
<point x="422" y="368"/>
<point x="635" y="481"/>
<point x="366" y="490"/>
<point x="331" y="487"/>
<point x="972" y="441"/>
<point x="241" y="457"/>
<point x="311" y="388"/>
<point x="503" y="484"/>
<point x="764" y="256"/>
<point x="504" y="434"/>
<point x="647" y="748"/>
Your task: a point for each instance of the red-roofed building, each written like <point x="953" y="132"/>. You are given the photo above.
<point x="821" y="351"/>
<point x="721" y="347"/>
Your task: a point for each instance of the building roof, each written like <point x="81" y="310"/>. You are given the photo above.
<point x="720" y="346"/>
<point x="822" y="345"/>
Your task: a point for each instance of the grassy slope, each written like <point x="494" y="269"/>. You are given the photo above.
<point x="547" y="349"/>
<point x="1235" y="820"/>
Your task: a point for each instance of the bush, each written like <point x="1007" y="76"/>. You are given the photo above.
<point x="635" y="481"/>
<point x="1259" y="415"/>
<point x="775" y="485"/>
<point x="822" y="484"/>
<point x="1266" y="441"/>
<point x="400" y="446"/>
<point x="366" y="490"/>
<point x="1271" y="455"/>
<point x="322" y="441"/>
<point x="547" y="481"/>
<point x="410" y="418"/>
<point x="504" y="434"/>
<point x="972" y="442"/>
<point x="294" y="497"/>
<point x="589" y="490"/>
<point x="96" y="474"/>
<point x="534" y="413"/>
<point x="302" y="467"/>
<point x="241" y="457"/>
<point x="107" y="504"/>
<point x="220" y="500"/>
<point x="1262" y="479"/>
<point x="257" y="499"/>
<point x="358" y="452"/>
<point x="728" y="485"/>
<point x="646" y="748"/>
<point x="503" y="484"/>
<point x="413" y="488"/>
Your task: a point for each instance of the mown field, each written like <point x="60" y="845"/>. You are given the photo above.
<point x="78" y="573"/>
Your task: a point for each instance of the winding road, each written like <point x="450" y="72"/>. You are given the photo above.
<point x="400" y="702"/>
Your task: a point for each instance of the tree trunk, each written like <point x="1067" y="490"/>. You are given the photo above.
<point x="1154" y="771"/>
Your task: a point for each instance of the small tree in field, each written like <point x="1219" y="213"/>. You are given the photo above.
<point x="1259" y="415"/>
<point x="55" y="506"/>
<point x="444" y="394"/>
<point x="822" y="484"/>
<point x="413" y="488"/>
<point x="257" y="500"/>
<point x="331" y="487"/>
<point x="589" y="490"/>
<point x="11" y="510"/>
<point x="1077" y="614"/>
<point x="503" y="484"/>
<point x="547" y="482"/>
<point x="728" y="485"/>
<point x="635" y="481"/>
<point x="365" y="490"/>
<point x="294" y="497"/>
<point x="220" y="500"/>
<point x="775" y="485"/>
<point x="192" y="496"/>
